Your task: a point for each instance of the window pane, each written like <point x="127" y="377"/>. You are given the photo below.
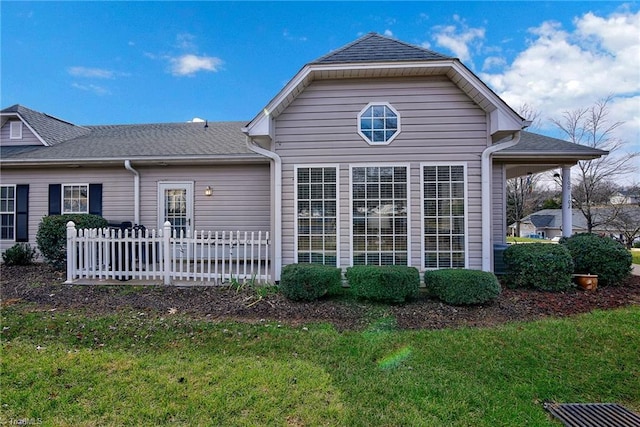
<point x="317" y="211"/>
<point x="379" y="221"/>
<point x="444" y="239"/>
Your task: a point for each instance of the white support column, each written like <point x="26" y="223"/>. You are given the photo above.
<point x="567" y="219"/>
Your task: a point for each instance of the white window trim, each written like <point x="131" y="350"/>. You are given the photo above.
<point x="466" y="210"/>
<point x="379" y="103"/>
<point x="336" y="166"/>
<point x="15" y="201"/>
<point x="62" y="187"/>
<point x="15" y="129"/>
<point x="380" y="165"/>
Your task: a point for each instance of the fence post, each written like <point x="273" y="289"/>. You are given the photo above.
<point x="166" y="244"/>
<point x="71" y="255"/>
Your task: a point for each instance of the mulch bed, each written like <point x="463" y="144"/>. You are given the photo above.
<point x="44" y="289"/>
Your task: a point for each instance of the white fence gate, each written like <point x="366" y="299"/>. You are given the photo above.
<point x="164" y="255"/>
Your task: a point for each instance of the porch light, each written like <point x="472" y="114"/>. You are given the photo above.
<point x="208" y="191"/>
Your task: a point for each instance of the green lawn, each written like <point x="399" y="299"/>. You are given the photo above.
<point x="636" y="256"/>
<point x="64" y="369"/>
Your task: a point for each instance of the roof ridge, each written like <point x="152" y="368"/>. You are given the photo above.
<point x="426" y="53"/>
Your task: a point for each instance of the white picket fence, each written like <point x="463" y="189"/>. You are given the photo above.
<point x="108" y="254"/>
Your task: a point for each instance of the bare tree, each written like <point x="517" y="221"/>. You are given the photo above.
<point x="627" y="224"/>
<point x="592" y="127"/>
<point x="522" y="199"/>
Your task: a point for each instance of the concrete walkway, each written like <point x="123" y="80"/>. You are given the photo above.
<point x="635" y="269"/>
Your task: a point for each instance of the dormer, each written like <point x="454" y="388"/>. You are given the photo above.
<point x="21" y="126"/>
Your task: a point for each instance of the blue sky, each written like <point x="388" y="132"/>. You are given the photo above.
<point x="144" y="62"/>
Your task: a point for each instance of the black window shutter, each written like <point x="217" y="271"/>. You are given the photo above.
<point x="95" y="199"/>
<point x="22" y="213"/>
<point x="55" y="199"/>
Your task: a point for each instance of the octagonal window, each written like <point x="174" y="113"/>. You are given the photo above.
<point x="378" y="123"/>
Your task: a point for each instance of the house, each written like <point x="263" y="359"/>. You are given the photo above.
<point x="626" y="197"/>
<point x="547" y="224"/>
<point x="379" y="152"/>
<point x="619" y="222"/>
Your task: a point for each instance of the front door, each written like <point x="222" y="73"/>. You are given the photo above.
<point x="175" y="204"/>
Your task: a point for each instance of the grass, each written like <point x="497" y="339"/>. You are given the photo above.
<point x="635" y="255"/>
<point x="511" y="239"/>
<point x="71" y="368"/>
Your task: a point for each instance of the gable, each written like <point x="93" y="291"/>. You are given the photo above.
<point x="14" y="133"/>
<point x="375" y="57"/>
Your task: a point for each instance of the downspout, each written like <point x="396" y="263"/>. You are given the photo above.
<point x="487" y="172"/>
<point x="136" y="191"/>
<point x="277" y="214"/>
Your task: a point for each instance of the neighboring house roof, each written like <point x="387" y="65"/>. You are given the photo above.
<point x="552" y="219"/>
<point x="376" y="56"/>
<point x="49" y="130"/>
<point x="164" y="142"/>
<point x="373" y="48"/>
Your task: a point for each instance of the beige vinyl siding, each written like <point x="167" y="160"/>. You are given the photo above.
<point x="28" y="138"/>
<point x="439" y="123"/>
<point x="240" y="199"/>
<point x="499" y="204"/>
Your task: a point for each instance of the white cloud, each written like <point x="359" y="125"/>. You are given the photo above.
<point x="186" y="41"/>
<point x="91" y="72"/>
<point x="459" y="38"/>
<point x="188" y="65"/>
<point x="288" y="36"/>
<point x="388" y="33"/>
<point x="565" y="69"/>
<point x="98" y="90"/>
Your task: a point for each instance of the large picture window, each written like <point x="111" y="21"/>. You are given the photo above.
<point x="75" y="199"/>
<point x="7" y="212"/>
<point x="380" y="217"/>
<point x="316" y="215"/>
<point x="444" y="216"/>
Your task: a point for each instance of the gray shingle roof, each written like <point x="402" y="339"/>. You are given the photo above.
<point x="531" y="143"/>
<point x="51" y="129"/>
<point x="163" y="140"/>
<point x="373" y="47"/>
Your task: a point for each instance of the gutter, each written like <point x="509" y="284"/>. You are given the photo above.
<point x="136" y="191"/>
<point x="277" y="214"/>
<point x="487" y="199"/>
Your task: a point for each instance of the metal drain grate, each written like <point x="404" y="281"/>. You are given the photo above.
<point x="593" y="414"/>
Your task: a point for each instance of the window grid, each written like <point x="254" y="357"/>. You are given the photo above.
<point x="378" y="123"/>
<point x="379" y="209"/>
<point x="7" y="212"/>
<point x="75" y="199"/>
<point x="444" y="217"/>
<point x="317" y="215"/>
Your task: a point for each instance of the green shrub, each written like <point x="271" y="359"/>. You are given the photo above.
<point x="538" y="265"/>
<point x="52" y="235"/>
<point x="308" y="282"/>
<point x="19" y="254"/>
<point x="603" y="256"/>
<point x="462" y="287"/>
<point x="389" y="283"/>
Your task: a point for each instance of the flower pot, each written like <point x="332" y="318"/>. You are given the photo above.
<point x="588" y="282"/>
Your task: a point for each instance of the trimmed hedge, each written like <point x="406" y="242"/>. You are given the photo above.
<point x="462" y="287"/>
<point x="52" y="235"/>
<point x="19" y="254"/>
<point x="542" y="266"/>
<point x="603" y="256"/>
<point x="308" y="282"/>
<point x="389" y="283"/>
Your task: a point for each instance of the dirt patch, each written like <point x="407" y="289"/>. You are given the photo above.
<point x="45" y="288"/>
